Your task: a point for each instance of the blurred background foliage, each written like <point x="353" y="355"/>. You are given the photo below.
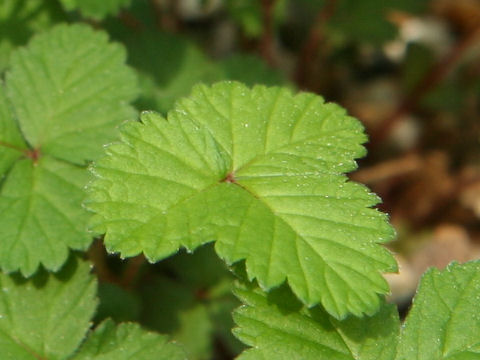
<point x="408" y="69"/>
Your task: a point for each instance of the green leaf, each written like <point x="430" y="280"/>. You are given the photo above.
<point x="41" y="214"/>
<point x="277" y="324"/>
<point x="127" y="342"/>
<point x="12" y="145"/>
<point x="196" y="307"/>
<point x="68" y="104"/>
<point x="169" y="65"/>
<point x="46" y="316"/>
<point x="95" y="9"/>
<point x="65" y="105"/>
<point x="261" y="171"/>
<point x="20" y="19"/>
<point x="444" y="322"/>
<point x="195" y="332"/>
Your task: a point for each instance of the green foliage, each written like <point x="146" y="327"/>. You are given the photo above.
<point x="278" y="324"/>
<point x="248" y="14"/>
<point x="250" y="177"/>
<point x="55" y="116"/>
<point x="20" y="19"/>
<point x="195" y="305"/>
<point x="178" y="65"/>
<point x="126" y="341"/>
<point x="261" y="172"/>
<point x="48" y="315"/>
<point x="444" y="322"/>
<point x="95" y="9"/>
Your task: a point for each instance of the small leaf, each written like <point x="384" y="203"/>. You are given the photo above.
<point x="46" y="317"/>
<point x="261" y="172"/>
<point x="277" y="324"/>
<point x="444" y="321"/>
<point x="127" y="342"/>
<point x="68" y="104"/>
<point x="95" y="9"/>
<point x="41" y="214"/>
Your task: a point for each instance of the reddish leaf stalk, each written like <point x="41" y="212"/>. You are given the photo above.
<point x="267" y="38"/>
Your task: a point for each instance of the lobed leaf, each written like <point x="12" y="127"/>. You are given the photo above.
<point x="261" y="171"/>
<point x="46" y="316"/>
<point x="65" y="95"/>
<point x="127" y="342"/>
<point x="277" y="324"/>
<point x="70" y="88"/>
<point x="444" y="321"/>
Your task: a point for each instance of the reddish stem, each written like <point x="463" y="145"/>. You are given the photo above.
<point x="266" y="41"/>
<point x="230" y="178"/>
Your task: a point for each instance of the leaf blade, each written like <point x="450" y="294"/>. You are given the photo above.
<point x="261" y="172"/>
<point x="41" y="215"/>
<point x="36" y="313"/>
<point x="127" y="341"/>
<point x="443" y="322"/>
<point x="69" y="104"/>
<point x="276" y="323"/>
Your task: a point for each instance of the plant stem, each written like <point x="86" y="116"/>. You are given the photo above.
<point x="131" y="272"/>
<point x="311" y="46"/>
<point x="266" y="40"/>
<point x="97" y="255"/>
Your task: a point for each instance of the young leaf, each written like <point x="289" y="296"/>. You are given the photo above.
<point x="95" y="9"/>
<point x="46" y="317"/>
<point x="277" y="324"/>
<point x="127" y="342"/>
<point x="68" y="104"/>
<point x="261" y="172"/>
<point x="444" y="322"/>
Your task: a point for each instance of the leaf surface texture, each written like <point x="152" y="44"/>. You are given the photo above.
<point x="261" y="171"/>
